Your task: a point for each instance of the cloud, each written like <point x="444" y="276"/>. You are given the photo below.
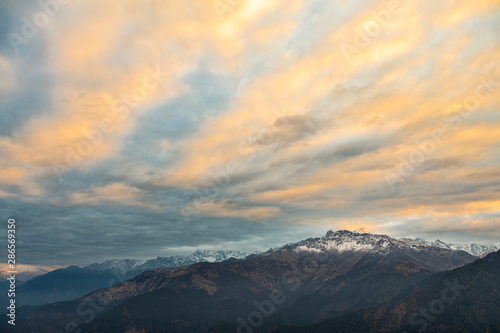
<point x="117" y="115"/>
<point x="226" y="209"/>
<point x="116" y="193"/>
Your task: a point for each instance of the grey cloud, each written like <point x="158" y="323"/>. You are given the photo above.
<point x="67" y="235"/>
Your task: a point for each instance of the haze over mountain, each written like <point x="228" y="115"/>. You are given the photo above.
<point x="26" y="274"/>
<point x="309" y="280"/>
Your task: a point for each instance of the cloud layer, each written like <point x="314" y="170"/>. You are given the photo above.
<point x="142" y="129"/>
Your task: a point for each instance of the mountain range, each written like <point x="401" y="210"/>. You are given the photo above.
<point x="295" y="286"/>
<point x="127" y="268"/>
<point x="72" y="282"/>
<point x="478" y="250"/>
<point x="131" y="267"/>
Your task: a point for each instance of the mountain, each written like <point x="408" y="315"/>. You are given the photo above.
<point x="72" y="282"/>
<point x="298" y="284"/>
<point x="127" y="268"/>
<point x="119" y="267"/>
<point x="60" y="284"/>
<point x="176" y="261"/>
<point x="466" y="299"/>
<point x="478" y="250"/>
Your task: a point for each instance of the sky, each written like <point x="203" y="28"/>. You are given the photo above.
<point x="137" y="129"/>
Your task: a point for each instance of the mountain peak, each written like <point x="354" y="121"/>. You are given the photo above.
<point x="338" y="233"/>
<point x="345" y="240"/>
<point x="353" y="241"/>
<point x="343" y="232"/>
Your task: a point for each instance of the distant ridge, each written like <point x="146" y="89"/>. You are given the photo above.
<point x="477" y="250"/>
<point x="73" y="281"/>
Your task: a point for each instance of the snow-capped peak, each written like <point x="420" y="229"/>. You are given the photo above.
<point x="439" y="243"/>
<point x="124" y="268"/>
<point x="117" y="266"/>
<point x="478" y="250"/>
<point x="344" y="240"/>
<point x="217" y="256"/>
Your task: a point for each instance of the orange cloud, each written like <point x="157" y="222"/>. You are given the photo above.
<point x="224" y="209"/>
<point x="116" y="193"/>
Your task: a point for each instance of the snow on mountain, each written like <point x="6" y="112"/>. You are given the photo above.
<point x="344" y="240"/>
<point x="485" y="253"/>
<point x="118" y="267"/>
<point x="478" y="250"/>
<point x="197" y="256"/>
<point x="125" y="268"/>
<point x="217" y="256"/>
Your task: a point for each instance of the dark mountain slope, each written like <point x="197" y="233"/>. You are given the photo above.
<point x="317" y="278"/>
<point x="466" y="299"/>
